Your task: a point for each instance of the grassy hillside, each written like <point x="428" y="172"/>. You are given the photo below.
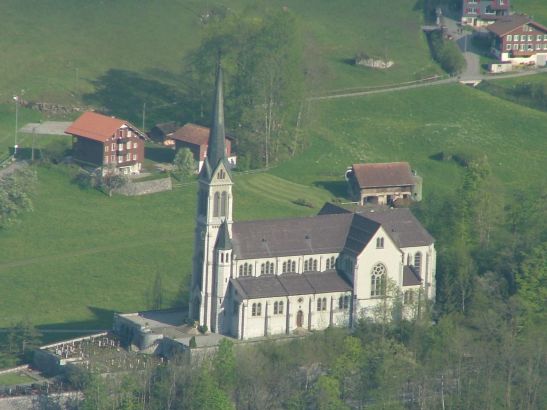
<point x="417" y="124"/>
<point x="80" y="254"/>
<point x="127" y="52"/>
<point x="534" y="8"/>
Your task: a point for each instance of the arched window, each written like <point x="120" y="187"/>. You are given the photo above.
<point x="319" y="304"/>
<point x="305" y="266"/>
<point x="380" y="243"/>
<point x="259" y="309"/>
<point x="240" y="270"/>
<point x="221" y="257"/>
<point x="262" y="268"/>
<point x="224" y="204"/>
<point x="284" y="267"/>
<point x="216" y="201"/>
<point x="293" y="266"/>
<point x="250" y="269"/>
<point x="254" y="309"/>
<point x="378" y="280"/>
<point x="331" y="263"/>
<point x="221" y="174"/>
<point x="275" y="308"/>
<point x="324" y="304"/>
<point x="315" y="265"/>
<point x="271" y="268"/>
<point x="280" y="308"/>
<point x="418" y="262"/>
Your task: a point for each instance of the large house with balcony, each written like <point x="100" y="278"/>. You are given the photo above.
<point x="112" y="144"/>
<point x="519" y="40"/>
<point x="259" y="278"/>
<point x="483" y="12"/>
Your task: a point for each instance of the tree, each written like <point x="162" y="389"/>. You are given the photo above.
<point x="532" y="284"/>
<point x="185" y="163"/>
<point x="326" y="394"/>
<point x="15" y="198"/>
<point x="112" y="180"/>
<point x="261" y="58"/>
<point x="225" y="365"/>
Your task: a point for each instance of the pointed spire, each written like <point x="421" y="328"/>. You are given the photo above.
<point x="216" y="151"/>
<point x="223" y="240"/>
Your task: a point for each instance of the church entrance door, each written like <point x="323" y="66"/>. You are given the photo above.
<point x="299" y="319"/>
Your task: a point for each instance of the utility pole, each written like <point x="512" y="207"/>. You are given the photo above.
<point x="143" y="115"/>
<point x="16" y="99"/>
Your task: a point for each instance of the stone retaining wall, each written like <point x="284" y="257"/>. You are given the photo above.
<point x="134" y="188"/>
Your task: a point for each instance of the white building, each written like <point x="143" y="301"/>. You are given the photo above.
<point x="261" y="278"/>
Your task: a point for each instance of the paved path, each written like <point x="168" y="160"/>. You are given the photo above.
<point x="46" y="128"/>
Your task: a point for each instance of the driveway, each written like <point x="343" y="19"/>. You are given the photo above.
<point x="462" y="38"/>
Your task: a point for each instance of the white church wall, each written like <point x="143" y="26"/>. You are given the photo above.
<point x="427" y="266"/>
<point x="389" y="255"/>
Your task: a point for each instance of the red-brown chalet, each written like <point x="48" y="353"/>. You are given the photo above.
<point x="196" y="138"/>
<point x="519" y="40"/>
<point x="107" y="142"/>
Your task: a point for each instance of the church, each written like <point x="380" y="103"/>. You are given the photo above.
<point x="271" y="277"/>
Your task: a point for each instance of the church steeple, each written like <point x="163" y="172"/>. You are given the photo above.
<point x="216" y="151"/>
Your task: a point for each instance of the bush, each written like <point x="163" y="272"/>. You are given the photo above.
<point x="202" y="329"/>
<point x="193" y="343"/>
<point x="303" y="202"/>
<point x="446" y="53"/>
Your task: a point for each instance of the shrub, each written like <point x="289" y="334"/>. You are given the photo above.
<point x="193" y="343"/>
<point x="303" y="202"/>
<point x="446" y="53"/>
<point x="202" y="329"/>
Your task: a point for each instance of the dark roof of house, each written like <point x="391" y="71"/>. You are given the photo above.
<point x="291" y="236"/>
<point x="290" y="284"/>
<point x="98" y="127"/>
<point x="166" y="127"/>
<point x="410" y="277"/>
<point x="399" y="223"/>
<point x="507" y="24"/>
<point x="192" y="133"/>
<point x="383" y="174"/>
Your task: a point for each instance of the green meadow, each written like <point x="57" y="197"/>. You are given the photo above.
<point x="534" y="8"/>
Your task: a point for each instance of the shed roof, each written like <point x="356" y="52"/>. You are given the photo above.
<point x="383" y="174"/>
<point x="97" y="127"/>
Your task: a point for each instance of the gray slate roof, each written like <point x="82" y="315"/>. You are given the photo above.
<point x="291" y="284"/>
<point x="410" y="277"/>
<point x="291" y="236"/>
<point x="400" y="224"/>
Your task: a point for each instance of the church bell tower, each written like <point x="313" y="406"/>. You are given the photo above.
<point x="210" y="272"/>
